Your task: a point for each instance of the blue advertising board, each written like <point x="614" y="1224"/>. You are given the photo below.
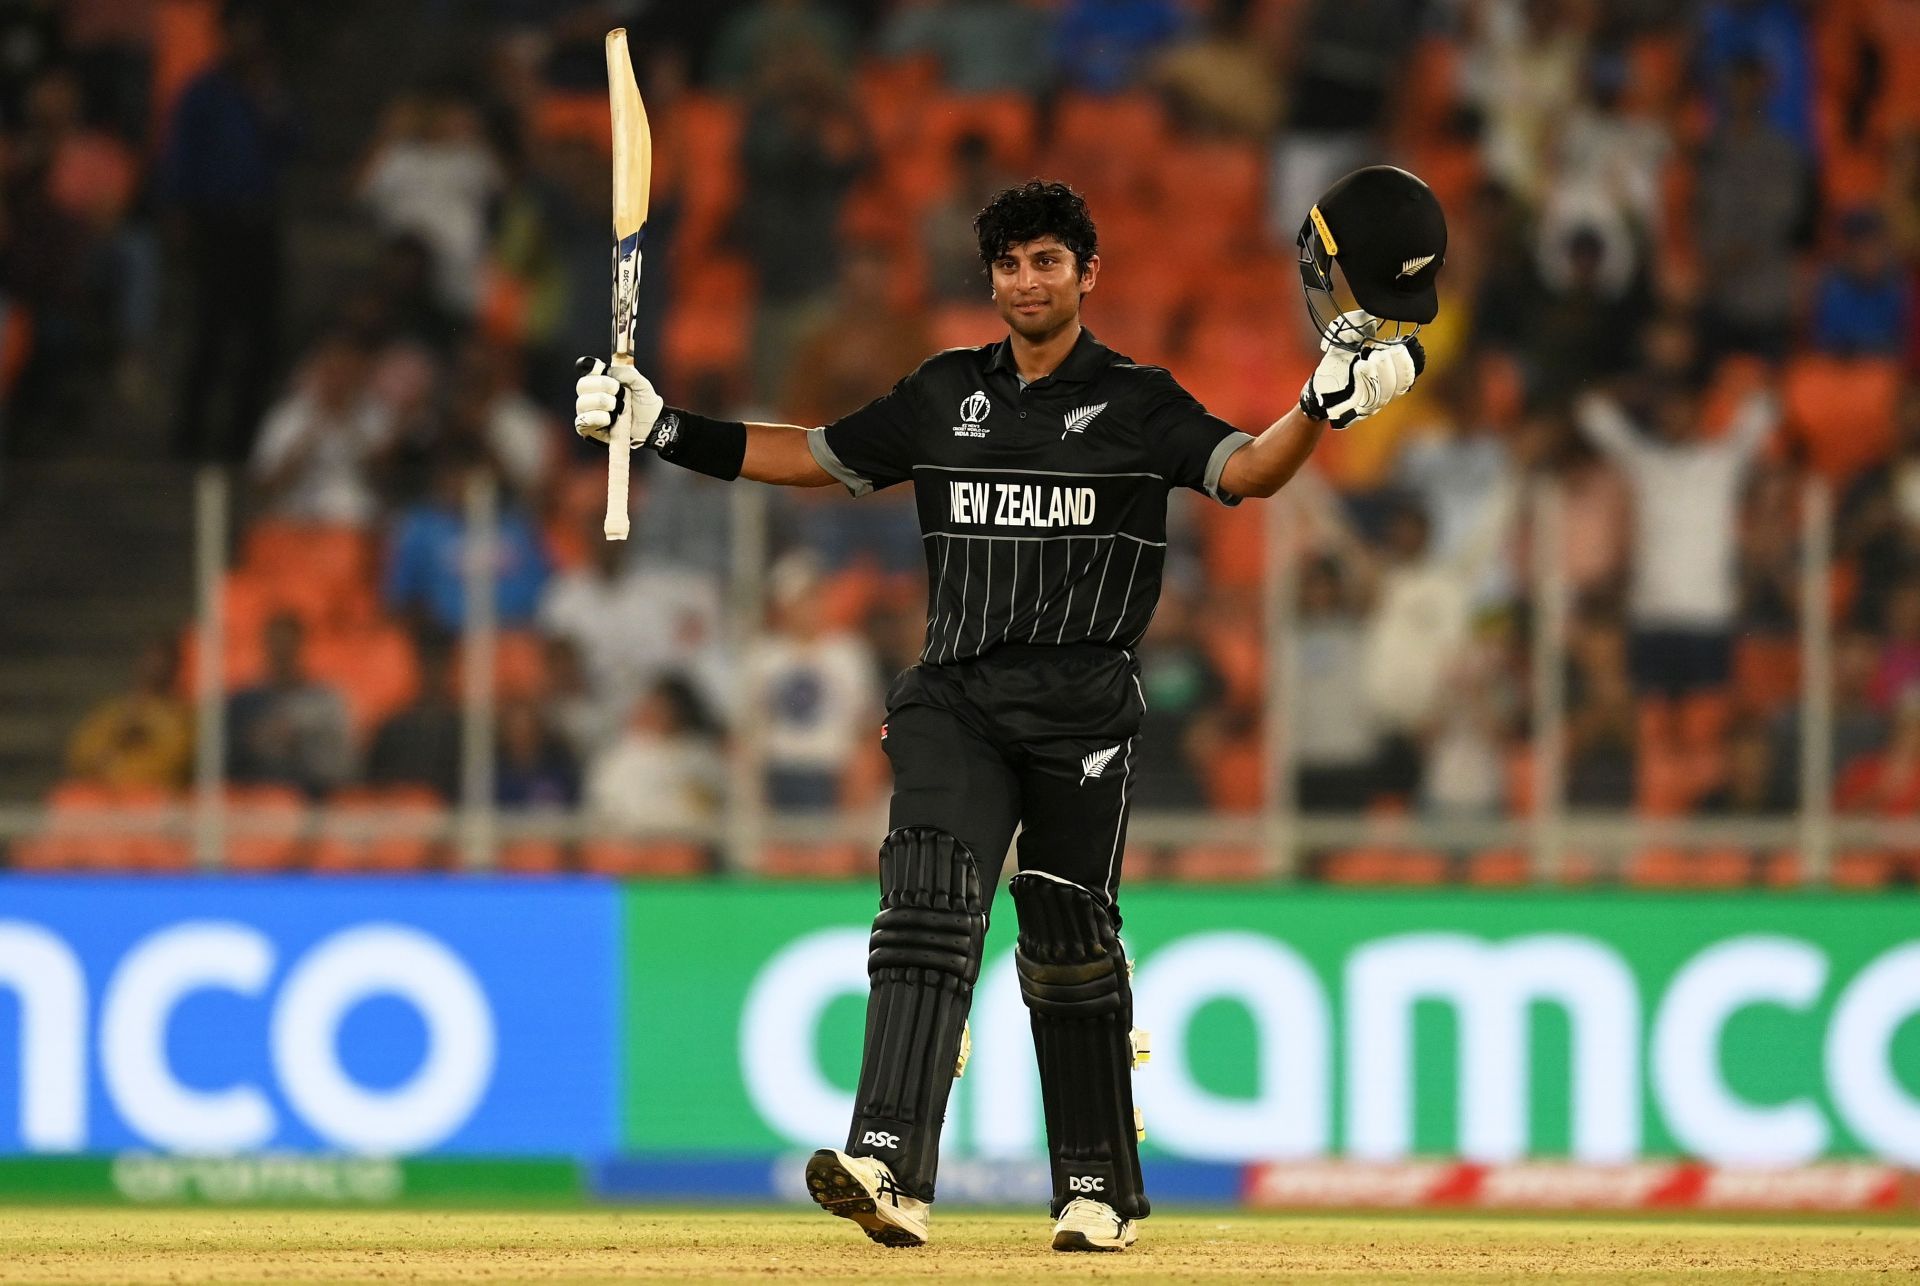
<point x="378" y="1017"/>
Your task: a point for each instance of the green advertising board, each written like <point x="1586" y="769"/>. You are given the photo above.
<point x="1742" y="1029"/>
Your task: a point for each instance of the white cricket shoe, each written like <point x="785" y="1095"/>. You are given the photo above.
<point x="1093" y="1225"/>
<point x="862" y="1189"/>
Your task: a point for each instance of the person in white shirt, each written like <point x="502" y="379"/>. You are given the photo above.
<point x="432" y="173"/>
<point x="320" y="447"/>
<point x="665" y="773"/>
<point x="632" y="623"/>
<point x="812" y="687"/>
<point x="1683" y="588"/>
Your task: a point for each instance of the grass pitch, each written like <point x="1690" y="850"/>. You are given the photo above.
<point x="387" y="1247"/>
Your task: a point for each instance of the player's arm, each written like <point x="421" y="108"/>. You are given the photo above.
<point x="1345" y="388"/>
<point x="725" y="449"/>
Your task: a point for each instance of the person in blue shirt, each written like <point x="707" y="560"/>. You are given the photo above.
<point x="1861" y="306"/>
<point x="426" y="577"/>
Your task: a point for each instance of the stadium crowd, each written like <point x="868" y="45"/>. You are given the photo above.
<point x="1681" y="284"/>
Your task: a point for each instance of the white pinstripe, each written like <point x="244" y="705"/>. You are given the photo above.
<point x="985" y="590"/>
<point x="1126" y="597"/>
<point x="1126" y="780"/>
<point x="1012" y="585"/>
<point x="1067" y="611"/>
<point x="953" y="643"/>
<point x="926" y="653"/>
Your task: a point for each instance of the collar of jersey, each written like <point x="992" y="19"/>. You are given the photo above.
<point x="1088" y="358"/>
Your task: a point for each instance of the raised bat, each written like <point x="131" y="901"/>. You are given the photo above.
<point x="632" y="176"/>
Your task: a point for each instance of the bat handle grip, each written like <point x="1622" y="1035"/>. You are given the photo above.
<point x="619" y="466"/>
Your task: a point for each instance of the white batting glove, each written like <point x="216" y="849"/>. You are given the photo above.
<point x="604" y="395"/>
<point x="1349" y="386"/>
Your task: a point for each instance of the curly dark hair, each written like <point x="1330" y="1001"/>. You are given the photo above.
<point x="1033" y="210"/>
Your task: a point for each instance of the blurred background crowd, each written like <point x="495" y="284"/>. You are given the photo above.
<point x="347" y="252"/>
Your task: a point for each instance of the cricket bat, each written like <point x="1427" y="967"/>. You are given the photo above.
<point x="632" y="176"/>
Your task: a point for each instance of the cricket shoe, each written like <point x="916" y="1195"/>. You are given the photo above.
<point x="1092" y="1225"/>
<point x="862" y="1189"/>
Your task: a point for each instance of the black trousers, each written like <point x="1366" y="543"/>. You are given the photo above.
<point x="1041" y="738"/>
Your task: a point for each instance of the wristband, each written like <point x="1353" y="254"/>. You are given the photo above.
<point x="716" y="448"/>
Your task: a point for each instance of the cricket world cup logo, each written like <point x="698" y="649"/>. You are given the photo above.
<point x="973" y="413"/>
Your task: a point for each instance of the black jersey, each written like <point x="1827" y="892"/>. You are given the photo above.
<point x="1043" y="508"/>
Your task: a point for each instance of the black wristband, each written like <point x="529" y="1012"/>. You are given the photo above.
<point x="716" y="448"/>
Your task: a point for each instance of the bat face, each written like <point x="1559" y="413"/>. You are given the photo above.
<point x="632" y="177"/>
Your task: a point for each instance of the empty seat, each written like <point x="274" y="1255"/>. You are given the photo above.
<point x="612" y="855"/>
<point x="265" y="827"/>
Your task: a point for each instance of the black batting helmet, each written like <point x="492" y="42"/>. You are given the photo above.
<point x="1385" y="229"/>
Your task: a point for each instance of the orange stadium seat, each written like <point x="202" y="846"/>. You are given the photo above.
<point x="1766" y="672"/>
<point x="668" y="859"/>
<point x="533" y="857"/>
<point x="266" y="827"/>
<point x="1840" y="411"/>
<point x="1500" y="868"/>
<point x="374" y="668"/>
<point x="814" y="861"/>
<point x="1216" y="864"/>
<point x="158" y="843"/>
<point x="65" y="842"/>
<point x="1235" y="782"/>
<point x="709" y="127"/>
<point x="1383" y="864"/>
<point x="419" y="807"/>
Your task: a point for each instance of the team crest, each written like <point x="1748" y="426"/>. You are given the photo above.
<point x="973" y="416"/>
<point x="1077" y="421"/>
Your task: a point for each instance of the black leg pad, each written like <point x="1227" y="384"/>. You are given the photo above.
<point x="1073" y="975"/>
<point x="922" y="960"/>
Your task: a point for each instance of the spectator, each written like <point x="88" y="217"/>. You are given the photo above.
<point x="812" y="689"/>
<point x="533" y="767"/>
<point x="1861" y="305"/>
<point x="1349" y="60"/>
<point x="419" y="745"/>
<point x="1860" y="723"/>
<point x="1770" y="35"/>
<point x="1223" y="80"/>
<point x="633" y="625"/>
<point x="1887" y="782"/>
<point x="767" y="33"/>
<point x="219" y="176"/>
<point x="490" y="409"/>
<point x="1752" y="206"/>
<point x="426" y="572"/>
<point x="1526" y="65"/>
<point x="1584" y="320"/>
<point x="665" y="772"/>
<point x="430" y="173"/>
<point x="1686" y="496"/>
<point x="982" y="46"/>
<point x="1456" y="470"/>
<point x="853" y="352"/>
<point x="288" y="729"/>
<point x="585" y="721"/>
<point x="801" y="149"/>
<point x="1752" y="779"/>
<point x="318" y="454"/>
<point x="1332" y="732"/>
<point x="143" y="738"/>
<point x="1180" y="684"/>
<point x="1101" y="45"/>
<point x="1602" y="741"/>
<point x="1879" y="526"/>
<point x="1899" y="670"/>
<point x="1420" y="623"/>
<point x="954" y="271"/>
<point x="1466" y="752"/>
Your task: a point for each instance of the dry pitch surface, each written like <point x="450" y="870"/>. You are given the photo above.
<point x="49" y="1245"/>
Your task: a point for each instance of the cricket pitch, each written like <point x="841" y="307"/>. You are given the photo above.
<point x="198" y="1245"/>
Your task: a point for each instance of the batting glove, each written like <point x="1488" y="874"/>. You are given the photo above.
<point x="605" y="395"/>
<point x="1348" y="385"/>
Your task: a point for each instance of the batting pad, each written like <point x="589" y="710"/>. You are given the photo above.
<point x="1073" y="976"/>
<point x="922" y="960"/>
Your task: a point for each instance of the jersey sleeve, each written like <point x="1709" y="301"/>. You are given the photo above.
<point x="872" y="447"/>
<point x="1188" y="447"/>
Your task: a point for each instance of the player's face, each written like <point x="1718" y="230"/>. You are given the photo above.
<point x="1037" y="285"/>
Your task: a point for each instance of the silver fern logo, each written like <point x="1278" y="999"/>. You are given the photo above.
<point x="1077" y="421"/>
<point x="1410" y="266"/>
<point x="1096" y="763"/>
